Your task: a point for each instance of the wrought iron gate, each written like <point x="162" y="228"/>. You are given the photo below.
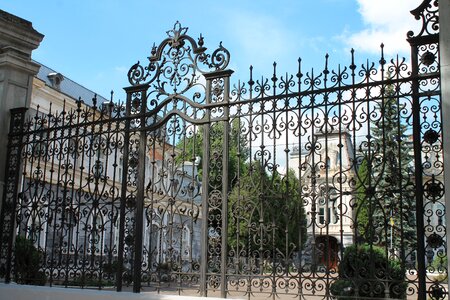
<point x="308" y="185"/>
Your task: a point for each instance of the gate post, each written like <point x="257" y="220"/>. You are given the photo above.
<point x="10" y="193"/>
<point x="444" y="52"/>
<point x="137" y="105"/>
<point x="425" y="66"/>
<point x="218" y="95"/>
<point x="418" y="170"/>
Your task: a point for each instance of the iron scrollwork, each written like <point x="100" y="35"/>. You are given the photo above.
<point x="279" y="187"/>
<point x="167" y="60"/>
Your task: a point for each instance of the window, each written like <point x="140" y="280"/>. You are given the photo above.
<point x="321" y="215"/>
<point x="39" y="143"/>
<point x="120" y="169"/>
<point x="36" y="223"/>
<point x="99" y="161"/>
<point x="95" y="238"/>
<point x="70" y="223"/>
<point x="327" y="212"/>
<point x="186" y="243"/>
<point x="175" y="184"/>
<point x="154" y="242"/>
<point x="338" y="159"/>
<point x="73" y="152"/>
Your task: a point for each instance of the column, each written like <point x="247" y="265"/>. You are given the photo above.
<point x="18" y="39"/>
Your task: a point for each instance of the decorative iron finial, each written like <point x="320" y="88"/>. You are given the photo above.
<point x="177" y="30"/>
<point x="382" y="59"/>
<point x="200" y="41"/>
<point x="153" y="49"/>
<point x="175" y="34"/>
<point x="177" y="56"/>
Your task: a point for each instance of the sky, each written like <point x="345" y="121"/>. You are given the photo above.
<point x="96" y="42"/>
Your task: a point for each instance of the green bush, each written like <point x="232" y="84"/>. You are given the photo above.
<point x="111" y="269"/>
<point x="365" y="271"/>
<point x="439" y="263"/>
<point x="88" y="280"/>
<point x="27" y="263"/>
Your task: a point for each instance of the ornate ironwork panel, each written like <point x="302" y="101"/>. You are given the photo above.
<point x="322" y="185"/>
<point x="428" y="152"/>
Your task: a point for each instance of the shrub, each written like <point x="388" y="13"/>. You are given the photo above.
<point x="365" y="271"/>
<point x="27" y="262"/>
<point x="439" y="263"/>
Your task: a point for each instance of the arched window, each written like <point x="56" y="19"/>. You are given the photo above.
<point x="185" y="243"/>
<point x="92" y="234"/>
<point x="74" y="152"/>
<point x="327" y="212"/>
<point x="70" y="224"/>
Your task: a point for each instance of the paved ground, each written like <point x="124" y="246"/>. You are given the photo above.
<point x="286" y="290"/>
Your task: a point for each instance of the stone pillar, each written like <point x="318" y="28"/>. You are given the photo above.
<point x="18" y="39"/>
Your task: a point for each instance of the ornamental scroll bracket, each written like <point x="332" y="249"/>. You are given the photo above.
<point x="428" y="13"/>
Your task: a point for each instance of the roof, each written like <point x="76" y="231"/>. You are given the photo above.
<point x="69" y="87"/>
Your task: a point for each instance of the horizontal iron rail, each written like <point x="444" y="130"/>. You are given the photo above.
<point x="256" y="99"/>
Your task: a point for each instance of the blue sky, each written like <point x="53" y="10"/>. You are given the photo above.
<point x="95" y="42"/>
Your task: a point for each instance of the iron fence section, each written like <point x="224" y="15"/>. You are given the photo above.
<point x="321" y="184"/>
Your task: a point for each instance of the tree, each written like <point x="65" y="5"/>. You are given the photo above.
<point x="362" y="214"/>
<point x="192" y="147"/>
<point x="266" y="211"/>
<point x="385" y="190"/>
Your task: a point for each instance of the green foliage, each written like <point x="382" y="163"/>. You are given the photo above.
<point x="27" y="261"/>
<point x="367" y="271"/>
<point x="192" y="146"/>
<point x="439" y="264"/>
<point x="89" y="281"/>
<point x="111" y="268"/>
<point x="385" y="193"/>
<point x="362" y="213"/>
<point x="266" y="212"/>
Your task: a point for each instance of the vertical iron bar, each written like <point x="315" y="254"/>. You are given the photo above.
<point x="225" y="161"/>
<point x="123" y="193"/>
<point x="139" y="217"/>
<point x="418" y="173"/>
<point x="12" y="177"/>
<point x="205" y="195"/>
<point x="224" y="237"/>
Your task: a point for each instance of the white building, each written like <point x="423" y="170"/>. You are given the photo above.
<point x="319" y="165"/>
<point x="72" y="184"/>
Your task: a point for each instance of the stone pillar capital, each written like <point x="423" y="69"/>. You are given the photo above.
<point x="18" y="35"/>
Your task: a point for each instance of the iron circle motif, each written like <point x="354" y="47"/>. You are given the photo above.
<point x="437" y="292"/>
<point x="129" y="240"/>
<point x="428" y="58"/>
<point x="434" y="190"/>
<point x="435" y="241"/>
<point x="431" y="136"/>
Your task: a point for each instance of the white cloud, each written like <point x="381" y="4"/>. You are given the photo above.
<point x="386" y="21"/>
<point x="261" y="37"/>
